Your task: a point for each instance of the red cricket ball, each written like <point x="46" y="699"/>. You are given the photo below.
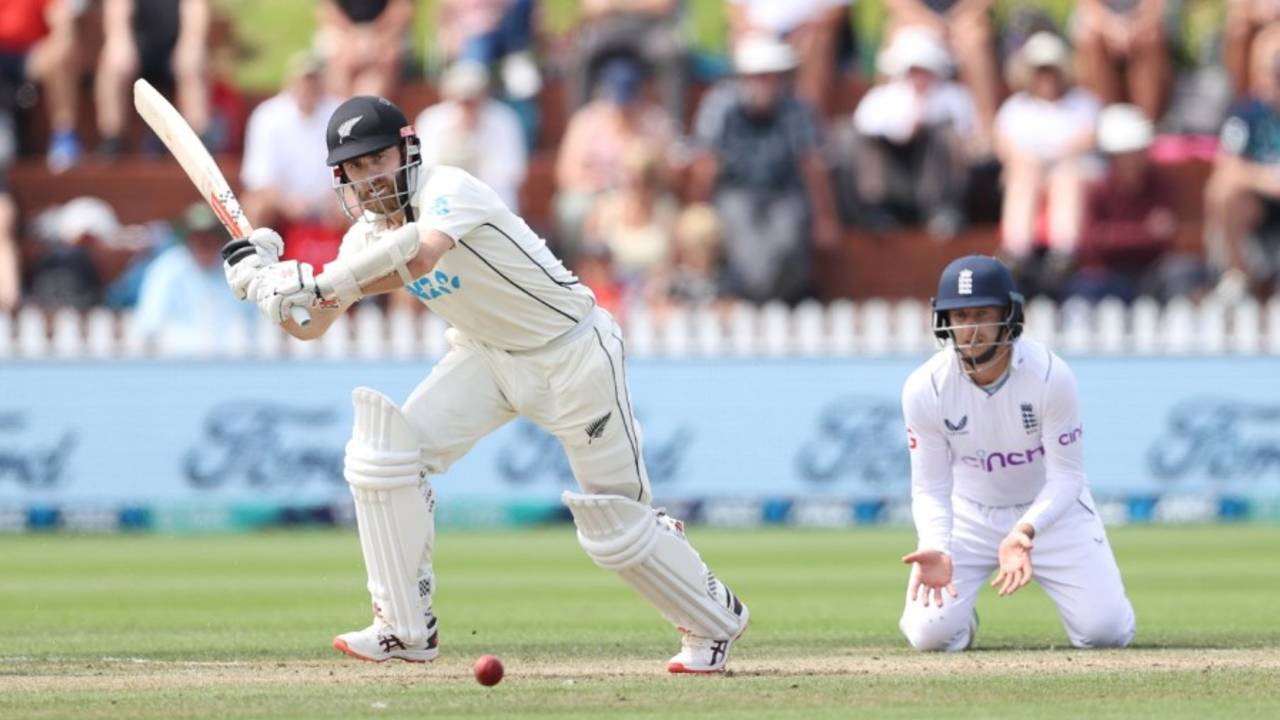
<point x="488" y="670"/>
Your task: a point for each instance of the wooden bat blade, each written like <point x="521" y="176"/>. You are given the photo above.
<point x="182" y="142"/>
<point x="185" y="146"/>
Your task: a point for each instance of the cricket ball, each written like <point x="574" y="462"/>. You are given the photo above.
<point x="488" y="670"/>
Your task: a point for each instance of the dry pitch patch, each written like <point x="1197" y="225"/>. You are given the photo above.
<point x="21" y="675"/>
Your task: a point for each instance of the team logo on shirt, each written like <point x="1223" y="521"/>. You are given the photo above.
<point x="986" y="461"/>
<point x="957" y="427"/>
<point x="434" y="285"/>
<point x="440" y="207"/>
<point x="1030" y="422"/>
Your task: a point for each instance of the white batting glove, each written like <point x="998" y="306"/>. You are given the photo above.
<point x="242" y="260"/>
<point x="282" y="286"/>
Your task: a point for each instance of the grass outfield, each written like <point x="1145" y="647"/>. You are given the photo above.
<point x="239" y="627"/>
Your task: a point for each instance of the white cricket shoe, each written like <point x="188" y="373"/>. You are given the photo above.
<point x="378" y="643"/>
<point x="700" y="654"/>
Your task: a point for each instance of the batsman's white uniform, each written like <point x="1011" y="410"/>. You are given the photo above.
<point x="527" y="339"/>
<point x="983" y="461"/>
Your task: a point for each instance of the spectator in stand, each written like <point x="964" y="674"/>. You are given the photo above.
<point x="286" y="182"/>
<point x="1123" y="52"/>
<point x="1244" y="21"/>
<point x="497" y="34"/>
<point x="695" y="277"/>
<point x="594" y="268"/>
<point x="916" y="132"/>
<point x="164" y="41"/>
<point x="635" y="220"/>
<point x="37" y="44"/>
<point x="1044" y="137"/>
<point x="967" y="29"/>
<point x="760" y="165"/>
<point x="471" y="130"/>
<point x="10" y="275"/>
<point x="645" y="30"/>
<point x="362" y="43"/>
<point x="64" y="273"/>
<point x="183" y="306"/>
<point x="1131" y="219"/>
<point x="596" y="140"/>
<point x="814" y="28"/>
<point x="1242" y="197"/>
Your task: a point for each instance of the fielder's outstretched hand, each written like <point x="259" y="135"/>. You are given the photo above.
<point x="1015" y="562"/>
<point x="931" y="571"/>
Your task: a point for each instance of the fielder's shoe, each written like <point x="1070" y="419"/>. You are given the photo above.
<point x="703" y="655"/>
<point x="377" y="643"/>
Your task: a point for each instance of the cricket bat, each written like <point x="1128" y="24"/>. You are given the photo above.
<point x="203" y="172"/>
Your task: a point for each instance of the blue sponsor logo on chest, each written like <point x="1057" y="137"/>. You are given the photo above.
<point x="431" y="286"/>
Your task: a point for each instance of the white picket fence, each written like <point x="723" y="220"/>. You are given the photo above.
<point x="840" y="329"/>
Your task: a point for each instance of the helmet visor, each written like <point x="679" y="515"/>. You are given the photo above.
<point x="383" y="194"/>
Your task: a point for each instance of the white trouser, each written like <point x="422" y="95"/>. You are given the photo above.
<point x="574" y="389"/>
<point x="1071" y="559"/>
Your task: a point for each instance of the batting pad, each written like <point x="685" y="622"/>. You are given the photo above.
<point x="651" y="553"/>
<point x="395" y="512"/>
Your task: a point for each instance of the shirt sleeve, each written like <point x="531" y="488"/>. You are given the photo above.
<point x="508" y="154"/>
<point x="256" y="172"/>
<point x="455" y="203"/>
<point x="930" y="453"/>
<point x="1063" y="449"/>
<point x="1236" y="135"/>
<point x="802" y="127"/>
<point x="708" y="125"/>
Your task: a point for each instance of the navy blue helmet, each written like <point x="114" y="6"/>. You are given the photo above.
<point x="363" y="125"/>
<point x="977" y="281"/>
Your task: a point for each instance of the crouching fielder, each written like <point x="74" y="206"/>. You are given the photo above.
<point x="526" y="339"/>
<point x="997" y="479"/>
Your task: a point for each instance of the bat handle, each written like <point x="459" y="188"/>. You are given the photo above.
<point x="300" y="315"/>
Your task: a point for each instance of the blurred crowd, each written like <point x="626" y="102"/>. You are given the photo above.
<point x="688" y="173"/>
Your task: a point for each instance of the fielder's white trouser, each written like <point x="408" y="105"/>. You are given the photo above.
<point x="1072" y="561"/>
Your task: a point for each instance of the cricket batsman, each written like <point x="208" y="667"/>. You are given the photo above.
<point x="997" y="474"/>
<point x="527" y="339"/>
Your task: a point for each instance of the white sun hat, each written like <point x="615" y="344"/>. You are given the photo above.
<point x="87" y="215"/>
<point x="763" y="54"/>
<point x="915" y="46"/>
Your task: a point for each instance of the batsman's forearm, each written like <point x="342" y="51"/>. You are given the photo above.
<point x="344" y="278"/>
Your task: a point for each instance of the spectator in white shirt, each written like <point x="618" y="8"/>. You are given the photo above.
<point x="1044" y="136"/>
<point x="286" y="183"/>
<point x="471" y="130"/>
<point x="914" y="133"/>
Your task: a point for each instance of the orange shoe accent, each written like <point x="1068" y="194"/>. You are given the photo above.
<point x="341" y="646"/>
<point x="680" y="668"/>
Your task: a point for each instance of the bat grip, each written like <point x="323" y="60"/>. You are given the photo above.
<point x="300" y="315"/>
